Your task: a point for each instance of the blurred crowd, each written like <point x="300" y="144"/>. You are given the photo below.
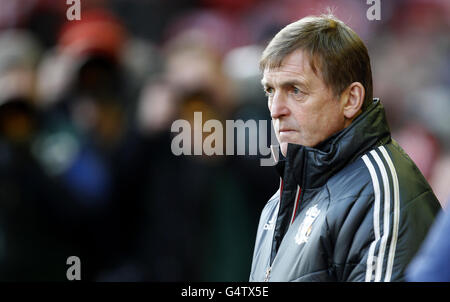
<point x="86" y="108"/>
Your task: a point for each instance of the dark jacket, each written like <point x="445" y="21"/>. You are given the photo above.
<point x="354" y="208"/>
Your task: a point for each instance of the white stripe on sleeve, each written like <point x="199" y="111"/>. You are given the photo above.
<point x="396" y="221"/>
<point x="387" y="206"/>
<point x="376" y="217"/>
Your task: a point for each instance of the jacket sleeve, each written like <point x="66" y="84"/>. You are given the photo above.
<point x="376" y="241"/>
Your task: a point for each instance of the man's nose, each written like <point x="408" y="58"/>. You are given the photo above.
<point x="278" y="106"/>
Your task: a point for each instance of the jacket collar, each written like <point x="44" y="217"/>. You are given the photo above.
<point x="312" y="167"/>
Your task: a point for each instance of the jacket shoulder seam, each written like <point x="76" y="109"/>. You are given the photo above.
<point x="409" y="202"/>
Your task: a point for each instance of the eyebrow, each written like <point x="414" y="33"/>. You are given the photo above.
<point x="285" y="83"/>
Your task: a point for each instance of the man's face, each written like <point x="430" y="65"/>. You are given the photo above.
<point x="302" y="107"/>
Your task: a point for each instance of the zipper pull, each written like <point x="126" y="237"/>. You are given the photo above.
<point x="266" y="279"/>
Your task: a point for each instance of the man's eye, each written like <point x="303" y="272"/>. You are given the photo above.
<point x="268" y="91"/>
<point x="296" y="91"/>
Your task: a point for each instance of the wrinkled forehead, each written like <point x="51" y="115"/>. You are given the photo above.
<point x="296" y="65"/>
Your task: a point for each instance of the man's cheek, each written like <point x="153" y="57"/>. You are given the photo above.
<point x="275" y="129"/>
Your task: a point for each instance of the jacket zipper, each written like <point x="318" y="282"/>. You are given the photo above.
<point x="296" y="203"/>
<point x="269" y="269"/>
<point x="297" y="199"/>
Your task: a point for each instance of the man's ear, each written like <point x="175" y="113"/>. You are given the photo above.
<point x="353" y="99"/>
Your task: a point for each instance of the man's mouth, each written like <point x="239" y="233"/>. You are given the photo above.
<point x="285" y="134"/>
<point x="286" y="131"/>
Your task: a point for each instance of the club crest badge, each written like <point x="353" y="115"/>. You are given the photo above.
<point x="304" y="230"/>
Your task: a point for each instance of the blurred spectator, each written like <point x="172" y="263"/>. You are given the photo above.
<point x="80" y="143"/>
<point x="188" y="200"/>
<point x="32" y="243"/>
